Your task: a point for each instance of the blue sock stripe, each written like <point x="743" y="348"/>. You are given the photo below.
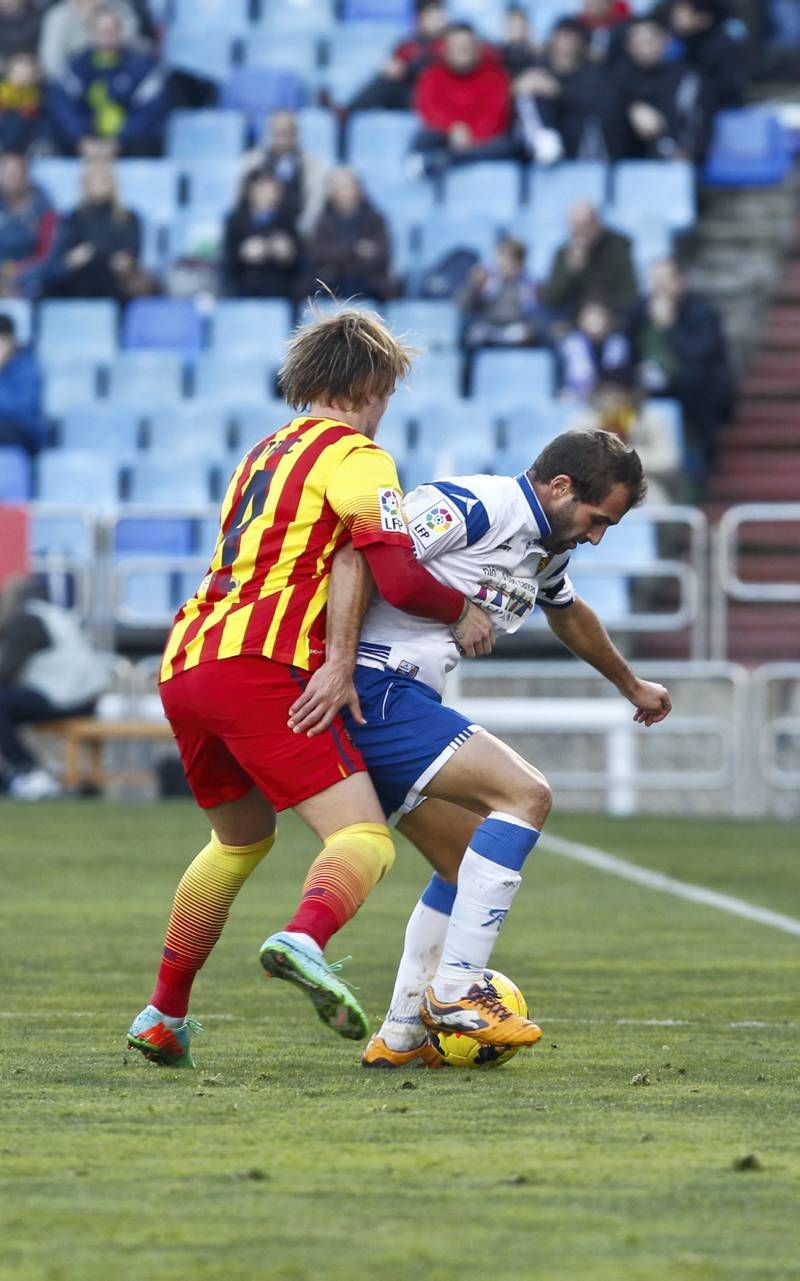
<point x="507" y="844"/>
<point x="439" y="895"/>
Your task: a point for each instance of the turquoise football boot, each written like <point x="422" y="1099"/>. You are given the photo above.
<point x="284" y="956"/>
<point x="168" y="1046"/>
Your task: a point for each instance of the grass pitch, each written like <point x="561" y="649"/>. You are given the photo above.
<point x="280" y="1158"/>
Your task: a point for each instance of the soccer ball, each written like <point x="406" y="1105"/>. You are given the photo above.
<point x="462" y="1051"/>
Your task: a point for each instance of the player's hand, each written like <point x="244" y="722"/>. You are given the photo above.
<point x="329" y="690"/>
<point x="652" y="702"/>
<point x="474" y="633"/>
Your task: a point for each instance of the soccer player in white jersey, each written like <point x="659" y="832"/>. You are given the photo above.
<point x="472" y="805"/>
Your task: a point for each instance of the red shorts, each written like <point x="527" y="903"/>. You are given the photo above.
<point x="229" y="718"/>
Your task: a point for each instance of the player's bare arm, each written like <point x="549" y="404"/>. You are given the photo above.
<point x="579" y="628"/>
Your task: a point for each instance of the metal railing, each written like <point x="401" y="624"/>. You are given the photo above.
<point x="727" y="584"/>
<point x="777" y="727"/>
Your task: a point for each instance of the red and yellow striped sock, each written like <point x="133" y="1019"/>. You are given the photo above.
<point x="202" y="902"/>
<point x="341" y="877"/>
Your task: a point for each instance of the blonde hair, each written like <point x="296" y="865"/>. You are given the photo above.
<point x="343" y="359"/>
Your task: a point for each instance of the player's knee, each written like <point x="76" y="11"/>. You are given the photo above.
<point x="536" y="799"/>
<point x="372" y="840"/>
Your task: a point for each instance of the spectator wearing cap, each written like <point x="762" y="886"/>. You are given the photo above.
<point x="21" y="420"/>
<point x="349" y="250"/>
<point x="27" y="230"/>
<point x="595" y="262"/>
<point x="67" y="31"/>
<point x="463" y="101"/>
<point x="21" y="117"/>
<point x="709" y="49"/>
<point x="99" y="243"/>
<point x="262" y="249"/>
<point x="112" y="98"/>
<point x="19" y="28"/>
<point x="561" y="102"/>
<point x="594" y="349"/>
<point x="663" y="106"/>
<point x="393" y="87"/>
<point x="499" y="303"/>
<point x="681" y="352"/>
<point x="302" y="175"/>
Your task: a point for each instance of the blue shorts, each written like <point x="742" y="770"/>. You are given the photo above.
<point x="407" y="738"/>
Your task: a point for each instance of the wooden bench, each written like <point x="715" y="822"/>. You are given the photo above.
<point x="84" y="738"/>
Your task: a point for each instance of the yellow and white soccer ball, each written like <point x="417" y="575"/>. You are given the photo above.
<point x="463" y="1051"/>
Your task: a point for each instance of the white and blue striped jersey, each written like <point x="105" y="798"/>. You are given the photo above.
<point x="481" y="535"/>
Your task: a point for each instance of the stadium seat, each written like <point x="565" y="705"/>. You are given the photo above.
<point x="192" y="134"/>
<point x="662" y="187"/>
<point x="258" y="91"/>
<point x="150" y="187"/>
<point x="153" y="536"/>
<point x="253" y="421"/>
<point x="421" y="467"/>
<point x="145" y="378"/>
<point x="441" y="236"/>
<point x="213" y="186"/>
<point x="68" y="385"/>
<point x="198" y="234"/>
<point x="55" y="534"/>
<point x="163" y="324"/>
<point x="319" y="133"/>
<point x="490" y="189"/>
<point x="60" y="179"/>
<point x="20" y="313"/>
<point x="102" y="426"/>
<point x="296" y="52"/>
<point x="436" y="374"/>
<point x="554" y="190"/>
<point x="189" y="428"/>
<point x="607" y="594"/>
<point x="252" y="328"/>
<point x="544" y="14"/>
<point x="16" y="475"/>
<point x="315" y="17"/>
<point x="155" y="478"/>
<point x="80" y="330"/>
<point x="199" y="51"/>
<point x="217" y="15"/>
<point x="380" y="138"/>
<point x="148" y="597"/>
<point x="395" y="11"/>
<point x="77" y="476"/>
<point x="427" y="323"/>
<point x="355" y="50"/>
<point x="512" y="375"/>
<point x="671" y="415"/>
<point x="455" y="423"/>
<point x="634" y="545"/>
<point x="525" y="428"/>
<point x="220" y="379"/>
<point x="749" y="148"/>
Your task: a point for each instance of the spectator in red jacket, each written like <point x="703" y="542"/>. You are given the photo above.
<point x="392" y="88"/>
<point x="464" y="103"/>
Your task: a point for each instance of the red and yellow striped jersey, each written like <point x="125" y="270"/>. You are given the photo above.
<point x="291" y="503"/>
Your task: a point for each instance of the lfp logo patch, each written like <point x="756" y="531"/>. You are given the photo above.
<point x="391" y="509"/>
<point x="438" y="520"/>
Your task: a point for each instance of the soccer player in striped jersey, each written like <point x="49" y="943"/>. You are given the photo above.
<point x="473" y="806"/>
<point x="255" y="636"/>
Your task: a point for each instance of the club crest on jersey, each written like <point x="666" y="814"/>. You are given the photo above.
<point x="391" y="509"/>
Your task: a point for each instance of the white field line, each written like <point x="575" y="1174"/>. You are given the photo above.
<point x="667" y="884"/>
<point x="34" y="1016"/>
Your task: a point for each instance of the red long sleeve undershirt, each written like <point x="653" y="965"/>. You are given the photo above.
<point x="407" y="585"/>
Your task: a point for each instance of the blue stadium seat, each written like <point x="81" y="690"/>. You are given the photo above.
<point x="253" y="421"/>
<point x="436" y="374"/>
<point x="661" y="187"/>
<point x="455" y="423"/>
<point x="153" y="536"/>
<point x="213" y="185"/>
<point x="319" y="133"/>
<point x="189" y="428"/>
<point x="749" y="148"/>
<point x="427" y="323"/>
<point x="487" y="188"/>
<point x="545" y="13"/>
<point x="68" y="385"/>
<point x="217" y="15"/>
<point x="355" y="52"/>
<point x="102" y="426"/>
<point x="380" y="138"/>
<point x="252" y="328"/>
<point x="81" y="330"/>
<point x="149" y="596"/>
<point x="56" y="534"/>
<point x="16" y="474"/>
<point x="192" y="134"/>
<point x="502" y="376"/>
<point x="150" y="187"/>
<point x="258" y="91"/>
<point x="155" y="478"/>
<point x="297" y="52"/>
<point x="199" y="51"/>
<point x="198" y="234"/>
<point x="555" y="190"/>
<point x="606" y="594"/>
<point x="19" y="312"/>
<point x="60" y="179"/>
<point x="633" y="545"/>
<point x="671" y="414"/>
<point x="528" y="426"/>
<point x="542" y="240"/>
<point x="145" y="378"/>
<point x="163" y="324"/>
<point x="420" y="467"/>
<point x="395" y="11"/>
<point x="441" y="235"/>
<point x="77" y="475"/>
<point x="316" y="17"/>
<point x="220" y="379"/>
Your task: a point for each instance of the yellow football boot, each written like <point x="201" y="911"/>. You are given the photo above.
<point x="481" y="1015"/>
<point x="379" y="1055"/>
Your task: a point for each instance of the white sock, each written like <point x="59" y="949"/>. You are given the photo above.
<point x="169" y="1020"/>
<point x="488" y="880"/>
<point x="402" y="1029"/>
<point x="305" y="939"/>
